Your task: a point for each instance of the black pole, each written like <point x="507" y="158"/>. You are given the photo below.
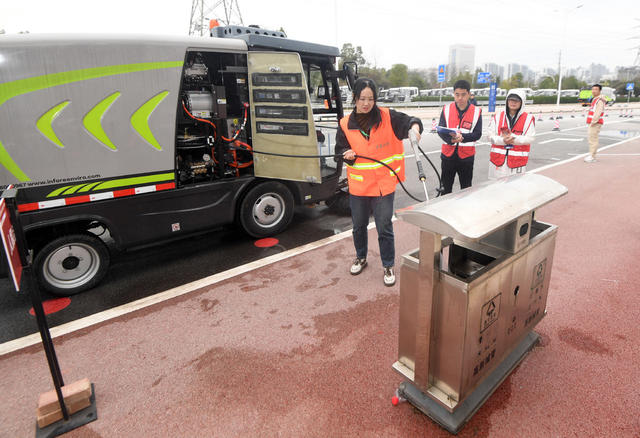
<point x="36" y="299"/>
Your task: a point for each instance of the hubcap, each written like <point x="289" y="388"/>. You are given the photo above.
<point x="71" y="266"/>
<point x="268" y="210"/>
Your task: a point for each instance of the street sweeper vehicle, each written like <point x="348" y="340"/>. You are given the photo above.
<point x="144" y="139"/>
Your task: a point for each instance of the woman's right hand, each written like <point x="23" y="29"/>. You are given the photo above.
<point x="349" y="155"/>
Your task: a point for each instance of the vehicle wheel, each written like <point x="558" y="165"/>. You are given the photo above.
<point x="72" y="264"/>
<point x="266" y="209"/>
<point x="339" y="203"/>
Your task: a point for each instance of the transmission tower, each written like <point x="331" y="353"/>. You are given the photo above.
<point x="636" y="63"/>
<point x="227" y="12"/>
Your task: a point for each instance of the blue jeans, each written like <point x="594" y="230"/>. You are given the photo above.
<point x="382" y="208"/>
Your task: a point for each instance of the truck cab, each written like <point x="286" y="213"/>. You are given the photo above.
<point x="147" y="139"/>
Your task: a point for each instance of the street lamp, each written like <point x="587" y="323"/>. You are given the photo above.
<point x="564" y="40"/>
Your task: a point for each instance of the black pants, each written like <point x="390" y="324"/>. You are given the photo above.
<point x="452" y="165"/>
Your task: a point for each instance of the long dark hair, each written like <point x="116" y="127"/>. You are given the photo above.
<point x="363" y="83"/>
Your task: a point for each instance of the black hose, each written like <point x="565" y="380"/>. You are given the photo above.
<point x="340" y="156"/>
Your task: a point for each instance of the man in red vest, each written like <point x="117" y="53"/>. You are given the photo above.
<point x="595" y="121"/>
<point x="511" y="131"/>
<point x="459" y="149"/>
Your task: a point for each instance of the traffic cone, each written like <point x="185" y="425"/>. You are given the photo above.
<point x="551" y="118"/>
<point x="630" y="113"/>
<point x="556" y="125"/>
<point x="539" y="117"/>
<point x="433" y="125"/>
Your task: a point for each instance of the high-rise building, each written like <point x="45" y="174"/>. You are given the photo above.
<point x="461" y="58"/>
<point x="597" y="71"/>
<point x="497" y="71"/>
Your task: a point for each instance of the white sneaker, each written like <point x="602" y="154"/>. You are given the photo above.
<point x="357" y="266"/>
<point x="389" y="277"/>
<point x="589" y="159"/>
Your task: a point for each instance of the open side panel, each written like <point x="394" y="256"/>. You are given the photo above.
<point x="281" y="117"/>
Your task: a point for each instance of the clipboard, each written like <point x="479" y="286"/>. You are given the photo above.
<point x="443" y="130"/>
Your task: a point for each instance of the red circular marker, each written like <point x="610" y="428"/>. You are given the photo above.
<point x="267" y="242"/>
<point x="53" y="306"/>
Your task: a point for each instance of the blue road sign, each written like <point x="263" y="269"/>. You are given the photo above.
<point x="483" y="77"/>
<point x="441" y="70"/>
<point x="493" y="88"/>
<point x="629" y="86"/>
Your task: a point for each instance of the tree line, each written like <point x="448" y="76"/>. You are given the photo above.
<point x="400" y="75"/>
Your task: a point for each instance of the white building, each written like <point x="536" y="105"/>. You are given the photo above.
<point x="462" y="57"/>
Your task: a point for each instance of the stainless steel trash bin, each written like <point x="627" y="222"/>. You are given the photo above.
<point x="472" y="293"/>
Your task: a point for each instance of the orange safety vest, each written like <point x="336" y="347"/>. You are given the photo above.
<point x="592" y="110"/>
<point x="518" y="156"/>
<point x="466" y="125"/>
<point x="369" y="178"/>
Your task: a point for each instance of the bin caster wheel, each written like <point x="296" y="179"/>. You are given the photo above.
<point x="398" y="398"/>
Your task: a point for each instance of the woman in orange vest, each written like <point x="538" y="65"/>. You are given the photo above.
<point x="511" y="132"/>
<point x="377" y="133"/>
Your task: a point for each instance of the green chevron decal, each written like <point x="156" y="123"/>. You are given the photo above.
<point x="140" y="119"/>
<point x="116" y="183"/>
<point x="9" y="90"/>
<point x="58" y="191"/>
<point x="112" y="184"/>
<point x="88" y="187"/>
<point x="44" y="123"/>
<point x="93" y="120"/>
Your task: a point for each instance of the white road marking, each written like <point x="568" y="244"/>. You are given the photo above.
<point x="577" y="157"/>
<point x="561" y="139"/>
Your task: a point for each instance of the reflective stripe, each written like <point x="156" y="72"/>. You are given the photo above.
<point x="511" y="152"/>
<point x="356" y="177"/>
<point x="374" y="165"/>
<point x="398" y="169"/>
<point x="95" y="197"/>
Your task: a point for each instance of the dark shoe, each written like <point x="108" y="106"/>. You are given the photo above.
<point x="389" y="277"/>
<point x="358" y="266"/>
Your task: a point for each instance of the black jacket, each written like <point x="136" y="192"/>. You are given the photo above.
<point x="400" y="123"/>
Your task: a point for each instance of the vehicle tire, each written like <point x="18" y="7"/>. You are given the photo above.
<point x="266" y="209"/>
<point x="71" y="264"/>
<point x="339" y="203"/>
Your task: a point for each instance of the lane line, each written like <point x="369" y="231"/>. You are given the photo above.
<point x="577" y="157"/>
<point x="561" y="139"/>
<point x="211" y="280"/>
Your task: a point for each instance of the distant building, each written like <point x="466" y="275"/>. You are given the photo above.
<point x="461" y="58"/>
<point x="527" y="73"/>
<point x="597" y="71"/>
<point x="497" y="71"/>
<point x="627" y="73"/>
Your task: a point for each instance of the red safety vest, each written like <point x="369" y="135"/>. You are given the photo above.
<point x="518" y="156"/>
<point x="592" y="110"/>
<point x="466" y="125"/>
<point x="369" y="178"/>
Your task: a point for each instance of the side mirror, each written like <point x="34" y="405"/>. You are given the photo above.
<point x="351" y="73"/>
<point x="321" y="91"/>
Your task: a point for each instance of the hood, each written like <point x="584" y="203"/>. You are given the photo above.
<point x="521" y="94"/>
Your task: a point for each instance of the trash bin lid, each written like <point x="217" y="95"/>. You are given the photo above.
<point x="478" y="211"/>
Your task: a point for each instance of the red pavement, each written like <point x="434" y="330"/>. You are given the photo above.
<point x="300" y="348"/>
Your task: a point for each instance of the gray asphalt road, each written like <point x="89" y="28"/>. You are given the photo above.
<point x="146" y="272"/>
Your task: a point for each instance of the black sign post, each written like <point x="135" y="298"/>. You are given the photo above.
<point x="14" y="240"/>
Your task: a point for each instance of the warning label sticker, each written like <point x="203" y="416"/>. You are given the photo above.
<point x="490" y="312"/>
<point x="538" y="274"/>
